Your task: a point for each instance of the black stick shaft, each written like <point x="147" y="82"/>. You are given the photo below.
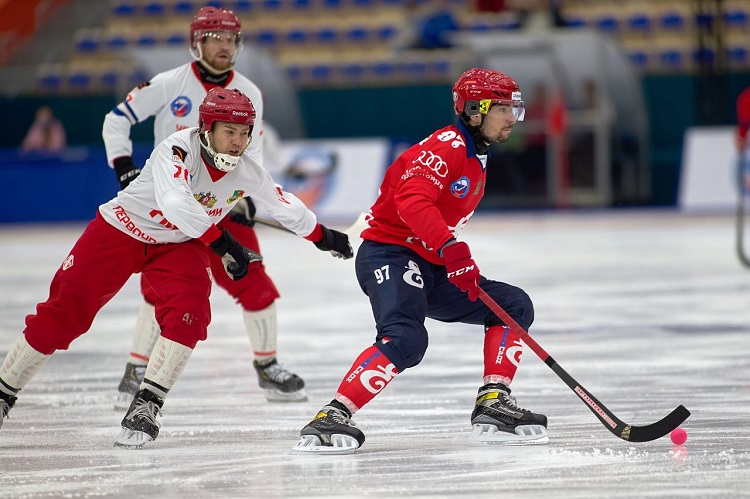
<point x="606" y="417"/>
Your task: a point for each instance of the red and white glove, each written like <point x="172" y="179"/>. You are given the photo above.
<point x="462" y="270"/>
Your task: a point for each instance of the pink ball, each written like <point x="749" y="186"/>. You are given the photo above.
<point x="678" y="436"/>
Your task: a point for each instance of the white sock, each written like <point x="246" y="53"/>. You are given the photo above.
<point x="147" y="331"/>
<point x="20" y="365"/>
<point x="168" y="360"/>
<point x="261" y="329"/>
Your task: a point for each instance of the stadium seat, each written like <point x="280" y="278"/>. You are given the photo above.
<point x="357" y="34"/>
<point x="241" y="7"/>
<point x="183" y="7"/>
<point x="327" y="35"/>
<point x="87" y="41"/>
<point x="154" y="9"/>
<point x="124" y="8"/>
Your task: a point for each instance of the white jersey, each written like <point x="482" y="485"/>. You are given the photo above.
<point x="173" y="98"/>
<point x="178" y="197"/>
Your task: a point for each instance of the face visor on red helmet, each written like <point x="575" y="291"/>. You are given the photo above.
<point x="477" y="90"/>
<point x="215" y="23"/>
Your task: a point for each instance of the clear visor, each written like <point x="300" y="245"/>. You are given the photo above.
<point x="510" y="106"/>
<point x="234" y="37"/>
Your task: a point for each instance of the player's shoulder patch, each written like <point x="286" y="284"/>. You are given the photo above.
<point x="142" y="85"/>
<point x="179" y="154"/>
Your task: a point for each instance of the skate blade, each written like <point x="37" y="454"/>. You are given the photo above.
<point x="340" y="445"/>
<point x="129" y="439"/>
<point x="123" y="401"/>
<point x="524" y="435"/>
<point x="274" y="395"/>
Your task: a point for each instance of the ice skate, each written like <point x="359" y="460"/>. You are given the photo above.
<point x="330" y="432"/>
<point x="279" y="384"/>
<point x="5" y="407"/>
<point x="129" y="385"/>
<point x="498" y="420"/>
<point x="139" y="426"/>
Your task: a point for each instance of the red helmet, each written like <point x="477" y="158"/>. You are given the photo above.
<point x="477" y="89"/>
<point x="229" y="105"/>
<point x="213" y="19"/>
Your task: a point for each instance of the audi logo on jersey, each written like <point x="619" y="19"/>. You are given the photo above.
<point x="181" y="106"/>
<point x="433" y="162"/>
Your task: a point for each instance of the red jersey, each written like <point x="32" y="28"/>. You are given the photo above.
<point x="429" y="193"/>
<point x="743" y="115"/>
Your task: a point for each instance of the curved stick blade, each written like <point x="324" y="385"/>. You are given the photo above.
<point x="656" y="430"/>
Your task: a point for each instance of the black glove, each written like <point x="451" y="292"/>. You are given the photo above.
<point x="336" y="242"/>
<point x="126" y="170"/>
<point x="243" y="212"/>
<point x="236" y="257"/>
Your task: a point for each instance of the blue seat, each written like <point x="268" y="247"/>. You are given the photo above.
<point x="302" y="4"/>
<point x="146" y="40"/>
<point x="294" y="72"/>
<point x="321" y="71"/>
<point x="671" y="59"/>
<point x="87" y="42"/>
<point x="738" y="55"/>
<point x="116" y="41"/>
<point x="266" y="37"/>
<point x="297" y="36"/>
<point x="737" y="18"/>
<point x="383" y="69"/>
<point x="154" y="9"/>
<point x="607" y="23"/>
<point x="79" y="80"/>
<point x="639" y="22"/>
<point x="272" y="5"/>
<point x="183" y="7"/>
<point x="240" y="7"/>
<point x="327" y="34"/>
<point x="176" y="38"/>
<point x="124" y="9"/>
<point x="353" y="70"/>
<point x="639" y="58"/>
<point x="109" y="79"/>
<point x="703" y="56"/>
<point x="50" y="81"/>
<point x="672" y="20"/>
<point x="357" y="34"/>
<point x="386" y="32"/>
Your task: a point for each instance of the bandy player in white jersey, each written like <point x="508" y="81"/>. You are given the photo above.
<point x="172" y="97"/>
<point x="161" y="226"/>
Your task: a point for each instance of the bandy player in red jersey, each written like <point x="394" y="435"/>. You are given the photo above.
<point x="172" y="97"/>
<point x="741" y="137"/>
<point x="411" y="266"/>
<point x="161" y="226"/>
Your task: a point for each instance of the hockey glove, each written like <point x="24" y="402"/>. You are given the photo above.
<point x="236" y="258"/>
<point x="462" y="270"/>
<point x="126" y="170"/>
<point x="243" y="212"/>
<point x="336" y="242"/>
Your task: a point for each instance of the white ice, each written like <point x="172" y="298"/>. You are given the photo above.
<point x="646" y="309"/>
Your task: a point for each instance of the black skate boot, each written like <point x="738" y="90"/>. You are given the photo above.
<point x="497" y="419"/>
<point x="139" y="425"/>
<point x="129" y="385"/>
<point x="279" y="384"/>
<point x="6" y="404"/>
<point x="331" y="431"/>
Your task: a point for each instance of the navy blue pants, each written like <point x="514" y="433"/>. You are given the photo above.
<point x="404" y="289"/>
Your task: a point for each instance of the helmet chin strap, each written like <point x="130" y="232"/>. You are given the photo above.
<point x="219" y="160"/>
<point x="481" y="144"/>
<point x="197" y="54"/>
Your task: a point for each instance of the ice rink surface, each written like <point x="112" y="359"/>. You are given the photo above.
<point x="646" y="309"/>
